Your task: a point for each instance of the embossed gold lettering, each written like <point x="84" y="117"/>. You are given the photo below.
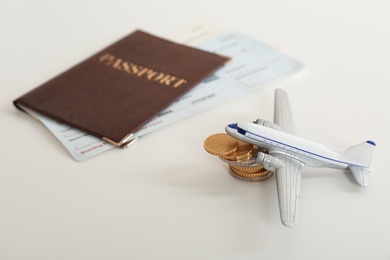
<point x="151" y="74"/>
<point x="126" y="67"/>
<point x="167" y="80"/>
<point x="142" y="72"/>
<point x="159" y="76"/>
<point x="134" y="69"/>
<point x="179" y="83"/>
<point x="108" y="58"/>
<point x="117" y="64"/>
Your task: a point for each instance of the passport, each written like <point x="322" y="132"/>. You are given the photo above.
<point x="115" y="92"/>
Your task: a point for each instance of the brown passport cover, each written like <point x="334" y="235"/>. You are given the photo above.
<point x="116" y="91"/>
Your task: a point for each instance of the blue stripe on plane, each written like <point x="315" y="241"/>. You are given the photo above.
<point x="242" y="131"/>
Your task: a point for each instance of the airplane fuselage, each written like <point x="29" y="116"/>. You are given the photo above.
<point x="310" y="153"/>
<point x="288" y="155"/>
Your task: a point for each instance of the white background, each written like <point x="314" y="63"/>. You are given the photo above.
<point x="165" y="197"/>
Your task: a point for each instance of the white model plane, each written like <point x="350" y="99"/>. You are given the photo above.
<point x="288" y="154"/>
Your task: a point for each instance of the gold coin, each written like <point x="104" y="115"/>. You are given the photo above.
<point x="248" y="168"/>
<point x="243" y="153"/>
<point x="251" y="177"/>
<point x="250" y="174"/>
<point x="220" y="144"/>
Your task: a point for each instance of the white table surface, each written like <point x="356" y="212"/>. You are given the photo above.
<point x="165" y="197"/>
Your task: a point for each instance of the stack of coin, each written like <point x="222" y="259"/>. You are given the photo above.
<point x="239" y="155"/>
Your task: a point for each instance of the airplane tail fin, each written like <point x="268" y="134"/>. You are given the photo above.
<point x="363" y="154"/>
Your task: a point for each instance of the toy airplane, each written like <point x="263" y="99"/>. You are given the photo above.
<point x="288" y="154"/>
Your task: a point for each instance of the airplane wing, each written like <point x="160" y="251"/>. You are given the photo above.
<point x="282" y="113"/>
<point x="288" y="181"/>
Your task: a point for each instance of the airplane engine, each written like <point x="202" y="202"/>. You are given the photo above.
<point x="268" y="161"/>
